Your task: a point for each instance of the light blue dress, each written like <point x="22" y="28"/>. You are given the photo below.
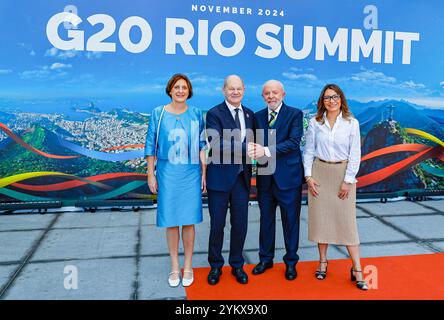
<point x="178" y="169"/>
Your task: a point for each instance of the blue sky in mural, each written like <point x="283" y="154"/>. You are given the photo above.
<point x="34" y="75"/>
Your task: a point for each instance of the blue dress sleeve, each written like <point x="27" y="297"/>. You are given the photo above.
<point x="203" y="138"/>
<point x="150" y="143"/>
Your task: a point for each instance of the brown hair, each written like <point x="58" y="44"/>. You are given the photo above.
<point x="176" y="77"/>
<point x="346" y="114"/>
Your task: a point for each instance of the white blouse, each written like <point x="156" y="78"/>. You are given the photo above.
<point x="341" y="143"/>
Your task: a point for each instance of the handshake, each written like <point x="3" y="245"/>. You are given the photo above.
<point x="255" y="151"/>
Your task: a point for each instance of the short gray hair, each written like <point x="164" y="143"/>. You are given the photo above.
<point x="273" y="81"/>
<point x="232" y="76"/>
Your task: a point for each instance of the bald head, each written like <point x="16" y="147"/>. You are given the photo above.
<point x="273" y="93"/>
<point x="234" y="90"/>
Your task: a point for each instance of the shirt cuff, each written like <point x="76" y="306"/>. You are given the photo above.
<point x="350" y="179"/>
<point x="267" y="152"/>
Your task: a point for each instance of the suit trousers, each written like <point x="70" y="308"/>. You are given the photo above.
<point x="289" y="202"/>
<point x="218" y="203"/>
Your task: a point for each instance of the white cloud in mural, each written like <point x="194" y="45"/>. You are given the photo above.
<point x="372" y="76"/>
<point x="40" y="73"/>
<point x="206" y="85"/>
<point x="54" y="71"/>
<point x="145" y="88"/>
<point x="63" y="55"/>
<point x="299" y="76"/>
<point x="67" y="54"/>
<point x="204" y="79"/>
<point x="59" y="66"/>
<point x="51" y="52"/>
<point x="412" y="85"/>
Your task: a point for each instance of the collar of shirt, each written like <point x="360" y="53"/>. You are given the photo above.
<point x="276" y="110"/>
<point x="232" y="108"/>
<point x="339" y="116"/>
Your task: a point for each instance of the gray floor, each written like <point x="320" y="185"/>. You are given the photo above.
<point x="123" y="255"/>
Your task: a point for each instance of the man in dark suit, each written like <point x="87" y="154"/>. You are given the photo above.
<point x="283" y="127"/>
<point x="229" y="129"/>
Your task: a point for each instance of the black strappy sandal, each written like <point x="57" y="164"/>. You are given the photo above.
<point x="360" y="284"/>
<point x="321" y="275"/>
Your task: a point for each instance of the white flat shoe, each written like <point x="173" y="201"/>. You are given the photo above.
<point x="173" y="282"/>
<point x="186" y="282"/>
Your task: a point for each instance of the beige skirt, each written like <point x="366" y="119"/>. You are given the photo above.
<point x="330" y="219"/>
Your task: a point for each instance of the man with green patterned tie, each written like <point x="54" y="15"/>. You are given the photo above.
<point x="282" y="186"/>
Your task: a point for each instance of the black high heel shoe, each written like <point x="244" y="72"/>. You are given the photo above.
<point x="360" y="284"/>
<point x="321" y="275"/>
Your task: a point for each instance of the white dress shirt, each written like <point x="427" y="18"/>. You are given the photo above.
<point x="241" y="118"/>
<point x="341" y="143"/>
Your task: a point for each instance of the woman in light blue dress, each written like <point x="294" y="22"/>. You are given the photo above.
<point x="176" y="140"/>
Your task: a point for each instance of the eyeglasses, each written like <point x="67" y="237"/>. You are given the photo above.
<point x="335" y="97"/>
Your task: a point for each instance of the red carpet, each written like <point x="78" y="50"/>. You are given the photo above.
<point x="401" y="277"/>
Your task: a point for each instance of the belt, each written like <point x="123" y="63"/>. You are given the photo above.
<point x="332" y="162"/>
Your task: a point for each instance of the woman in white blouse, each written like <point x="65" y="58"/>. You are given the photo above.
<point x="331" y="161"/>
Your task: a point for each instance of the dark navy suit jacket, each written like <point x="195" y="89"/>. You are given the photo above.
<point x="222" y="177"/>
<point x="288" y="130"/>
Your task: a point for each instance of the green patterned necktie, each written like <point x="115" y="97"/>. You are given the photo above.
<point x="272" y="120"/>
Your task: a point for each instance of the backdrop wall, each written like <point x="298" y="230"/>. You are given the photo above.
<point x="78" y="80"/>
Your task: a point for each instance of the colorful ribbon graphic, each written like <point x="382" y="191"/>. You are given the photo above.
<point x="94" y="180"/>
<point x="6" y="130"/>
<point x="108" y="195"/>
<point x="23" y="176"/>
<point x="112" y="157"/>
<point x="425" y="135"/>
<point x="423" y="153"/>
